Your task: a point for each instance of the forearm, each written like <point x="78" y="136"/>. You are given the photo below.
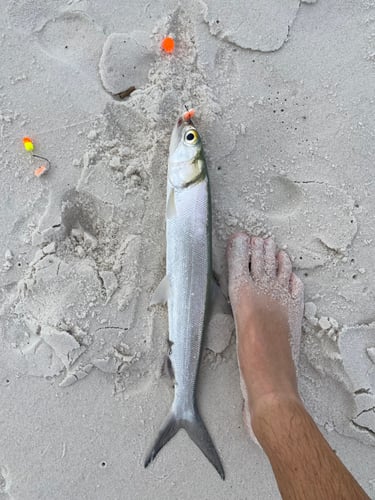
<point x="304" y="465"/>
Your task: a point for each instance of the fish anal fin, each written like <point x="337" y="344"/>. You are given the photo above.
<point x="160" y="295"/>
<point x="171" y="205"/>
<point x="167" y="370"/>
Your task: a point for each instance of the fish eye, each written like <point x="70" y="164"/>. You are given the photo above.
<point x="191" y="136"/>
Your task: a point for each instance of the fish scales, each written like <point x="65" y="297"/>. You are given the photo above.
<point x="188" y="261"/>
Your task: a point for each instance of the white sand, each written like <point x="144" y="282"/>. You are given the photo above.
<point x="284" y="93"/>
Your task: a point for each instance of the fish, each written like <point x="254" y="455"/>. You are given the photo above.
<point x="188" y="285"/>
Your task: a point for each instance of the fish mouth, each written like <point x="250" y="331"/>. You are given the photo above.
<point x="176" y="134"/>
<point x="181" y="127"/>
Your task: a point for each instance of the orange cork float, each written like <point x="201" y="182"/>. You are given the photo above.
<point x="28" y="144"/>
<point x="167" y="44"/>
<point x="188" y="115"/>
<point x="40" y="170"/>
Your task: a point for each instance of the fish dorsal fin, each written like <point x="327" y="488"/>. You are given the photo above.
<point x="171" y="205"/>
<point x="160" y="295"/>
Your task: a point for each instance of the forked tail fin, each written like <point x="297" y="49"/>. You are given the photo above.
<point x="197" y="432"/>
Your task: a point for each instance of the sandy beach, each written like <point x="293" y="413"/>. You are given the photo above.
<point x="284" y="100"/>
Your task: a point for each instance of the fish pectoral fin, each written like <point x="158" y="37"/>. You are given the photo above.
<point x="171" y="205"/>
<point x="160" y="295"/>
<point x="218" y="301"/>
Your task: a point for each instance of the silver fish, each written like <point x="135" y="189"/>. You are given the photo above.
<point x="187" y="285"/>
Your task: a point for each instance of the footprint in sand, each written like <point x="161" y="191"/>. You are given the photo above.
<point x="27" y="16"/>
<point x="258" y="25"/>
<point x="357" y="348"/>
<point x="73" y="38"/>
<point x="76" y="304"/>
<point x="343" y="358"/>
<point x="125" y="62"/>
<point x="285" y="197"/>
<point x="298" y="212"/>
